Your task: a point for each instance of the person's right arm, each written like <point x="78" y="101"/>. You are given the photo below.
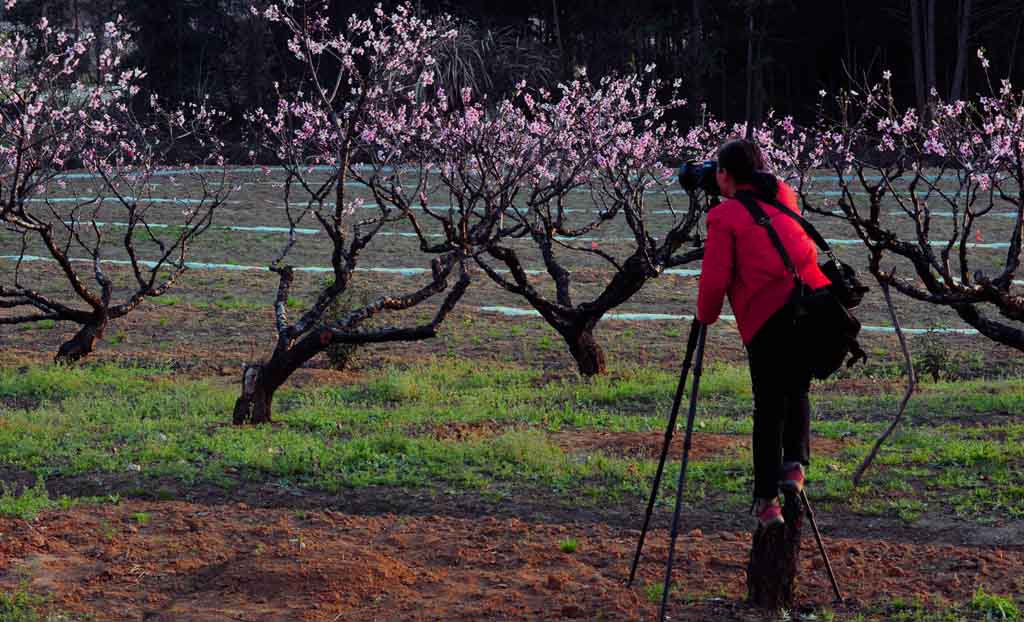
<point x="716" y="270"/>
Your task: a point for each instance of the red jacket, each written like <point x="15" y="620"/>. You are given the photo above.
<point x="739" y="260"/>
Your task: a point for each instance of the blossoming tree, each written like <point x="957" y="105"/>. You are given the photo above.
<point x="57" y="114"/>
<point x="957" y="179"/>
<point x="351" y="76"/>
<point x="534" y="177"/>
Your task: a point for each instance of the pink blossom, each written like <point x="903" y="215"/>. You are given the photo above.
<point x="982" y="58"/>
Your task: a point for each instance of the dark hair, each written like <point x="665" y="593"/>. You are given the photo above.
<point x="743" y="159"/>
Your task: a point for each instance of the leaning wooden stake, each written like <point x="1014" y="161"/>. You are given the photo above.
<point x="911" y="384"/>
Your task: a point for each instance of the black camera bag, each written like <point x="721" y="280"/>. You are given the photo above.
<point x="828" y="331"/>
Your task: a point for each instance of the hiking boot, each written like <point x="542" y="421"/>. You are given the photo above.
<point x="792" y="480"/>
<point x="768" y="512"/>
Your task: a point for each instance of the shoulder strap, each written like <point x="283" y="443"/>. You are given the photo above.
<point x="762" y="219"/>
<point x="808" y="228"/>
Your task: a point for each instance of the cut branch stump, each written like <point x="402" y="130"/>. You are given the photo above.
<point x="775" y="559"/>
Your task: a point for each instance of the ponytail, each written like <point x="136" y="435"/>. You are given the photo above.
<point x="765" y="184"/>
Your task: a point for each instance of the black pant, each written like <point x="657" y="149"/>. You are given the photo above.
<point x="782" y="412"/>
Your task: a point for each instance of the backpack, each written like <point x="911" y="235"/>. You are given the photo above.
<point x="828" y="331"/>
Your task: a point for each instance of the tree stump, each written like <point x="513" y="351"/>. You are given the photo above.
<point x="775" y="559"/>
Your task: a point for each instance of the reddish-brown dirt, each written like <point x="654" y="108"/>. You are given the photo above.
<point x="634" y="445"/>
<point x="185" y="562"/>
<point x="462" y="431"/>
<point x="648" y="444"/>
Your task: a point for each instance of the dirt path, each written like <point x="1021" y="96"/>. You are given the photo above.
<point x="185" y="562"/>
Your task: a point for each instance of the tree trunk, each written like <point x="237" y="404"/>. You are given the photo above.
<point x="851" y="66"/>
<point x="1013" y="48"/>
<point x="82" y="344"/>
<point x="179" y="36"/>
<point x="749" y="112"/>
<point x="963" y="38"/>
<point x="255" y="404"/>
<point x="723" y="83"/>
<point x="585" y="350"/>
<point x="759" y="81"/>
<point x="929" y="56"/>
<point x="696" y="52"/>
<point x="917" y="56"/>
<point x="261" y="380"/>
<point x="556" y="22"/>
<point x="775" y="560"/>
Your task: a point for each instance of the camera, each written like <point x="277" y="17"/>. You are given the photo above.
<point x="694" y="176"/>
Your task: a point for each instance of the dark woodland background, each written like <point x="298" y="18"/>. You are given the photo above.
<point x="742" y="57"/>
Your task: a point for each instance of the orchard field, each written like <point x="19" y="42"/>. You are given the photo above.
<point x="477" y="475"/>
<point x="420" y="368"/>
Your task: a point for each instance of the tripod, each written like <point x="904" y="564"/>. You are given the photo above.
<point x="694" y="346"/>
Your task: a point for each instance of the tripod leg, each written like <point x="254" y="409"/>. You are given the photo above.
<point x="682" y="471"/>
<point x="691" y="344"/>
<point x="821" y="546"/>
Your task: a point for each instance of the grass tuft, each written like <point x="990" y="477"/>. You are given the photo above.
<point x="20" y="606"/>
<point x="994" y="608"/>
<point x="26" y="505"/>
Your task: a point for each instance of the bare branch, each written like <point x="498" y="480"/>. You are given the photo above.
<point x="911" y="384"/>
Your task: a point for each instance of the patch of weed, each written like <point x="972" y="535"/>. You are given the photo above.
<point x="545" y="342"/>
<point x="165" y="300"/>
<point x="995" y="608"/>
<point x="26" y="505"/>
<point x="20" y="606"/>
<point x="653" y="591"/>
<point x="40" y="325"/>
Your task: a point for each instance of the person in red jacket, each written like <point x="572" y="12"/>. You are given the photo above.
<point x="740" y="262"/>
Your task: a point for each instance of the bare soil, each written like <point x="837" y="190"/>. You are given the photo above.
<point x="648" y="445"/>
<point x="184" y="562"/>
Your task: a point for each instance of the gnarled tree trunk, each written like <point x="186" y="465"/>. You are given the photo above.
<point x="585" y="350"/>
<point x="82" y="344"/>
<point x="255" y="404"/>
<point x="261" y="380"/>
<point x="775" y="559"/>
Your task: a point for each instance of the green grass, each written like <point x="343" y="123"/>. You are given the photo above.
<point x="54" y="382"/>
<point x="27" y="504"/>
<point x="40" y="325"/>
<point x="569" y="545"/>
<point x="230" y="302"/>
<point x="20" y="606"/>
<point x="146" y="424"/>
<point x="166" y="300"/>
<point x="982" y="607"/>
<point x="993" y="607"/>
<point x="654" y="591"/>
